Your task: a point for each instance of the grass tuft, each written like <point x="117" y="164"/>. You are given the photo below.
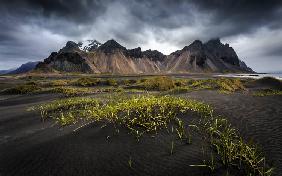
<point x="160" y="83"/>
<point x="229" y="85"/>
<point x="86" y="82"/>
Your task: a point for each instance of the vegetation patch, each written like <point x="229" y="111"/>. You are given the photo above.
<point x="71" y="91"/>
<point x="110" y="82"/>
<point x="229" y="85"/>
<point x="160" y="83"/>
<point x="149" y="114"/>
<point x="27" y="88"/>
<point x="128" y="82"/>
<point x="59" y="82"/>
<point x="201" y="84"/>
<point x="267" y="92"/>
<point x="86" y="81"/>
<point x="224" y="85"/>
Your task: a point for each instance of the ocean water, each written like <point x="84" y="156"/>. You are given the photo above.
<point x="254" y="75"/>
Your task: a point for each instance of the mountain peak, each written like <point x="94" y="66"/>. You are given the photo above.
<point x="196" y="45"/>
<point x="134" y="53"/>
<point x="88" y="45"/>
<point x="214" y="42"/>
<point x="70" y="46"/>
<point x="113" y="43"/>
<point x="110" y="46"/>
<point x="154" y="55"/>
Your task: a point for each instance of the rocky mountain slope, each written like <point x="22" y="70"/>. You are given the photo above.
<point x="111" y="57"/>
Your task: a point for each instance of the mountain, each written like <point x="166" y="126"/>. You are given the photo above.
<point x="6" y="71"/>
<point x="24" y="68"/>
<point x="89" y="45"/>
<point x="212" y="56"/>
<point x="111" y="57"/>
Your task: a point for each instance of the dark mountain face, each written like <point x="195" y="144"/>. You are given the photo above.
<point x="154" y="55"/>
<point x="212" y="56"/>
<point x="134" y="53"/>
<point x="65" y="61"/>
<point x="111" y="57"/>
<point x="110" y="46"/>
<point x="70" y="47"/>
<point x="223" y="52"/>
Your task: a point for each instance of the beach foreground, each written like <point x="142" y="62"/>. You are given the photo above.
<point x="30" y="146"/>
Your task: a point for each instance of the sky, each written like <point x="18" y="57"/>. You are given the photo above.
<point x="31" y="29"/>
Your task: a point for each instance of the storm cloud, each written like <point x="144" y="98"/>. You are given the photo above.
<point x="31" y="29"/>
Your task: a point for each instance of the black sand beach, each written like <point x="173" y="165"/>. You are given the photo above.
<point x="30" y="147"/>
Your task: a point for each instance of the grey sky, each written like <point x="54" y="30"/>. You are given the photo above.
<point x="31" y="29"/>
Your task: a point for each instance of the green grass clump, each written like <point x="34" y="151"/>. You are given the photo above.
<point x="232" y="150"/>
<point x="67" y="111"/>
<point x="128" y="82"/>
<point x="150" y="112"/>
<point x="180" y="82"/>
<point x="160" y="83"/>
<point x="22" y="89"/>
<point x="229" y="85"/>
<point x="86" y="81"/>
<point x="201" y="84"/>
<point x="267" y="92"/>
<point x="147" y="114"/>
<point x="110" y="82"/>
<point x="71" y="91"/>
<point x="59" y="83"/>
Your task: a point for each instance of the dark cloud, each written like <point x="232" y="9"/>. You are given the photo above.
<point x="73" y="10"/>
<point x="30" y="29"/>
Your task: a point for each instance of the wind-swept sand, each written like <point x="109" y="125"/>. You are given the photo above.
<point x="257" y="118"/>
<point x="30" y="147"/>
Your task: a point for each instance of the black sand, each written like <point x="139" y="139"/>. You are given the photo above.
<point x="30" y="147"/>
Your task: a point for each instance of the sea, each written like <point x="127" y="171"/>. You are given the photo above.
<point x="254" y="75"/>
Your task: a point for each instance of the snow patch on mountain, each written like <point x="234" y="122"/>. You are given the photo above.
<point x="88" y="45"/>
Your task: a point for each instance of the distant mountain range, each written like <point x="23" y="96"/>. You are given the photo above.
<point x="22" y="69"/>
<point x="6" y="71"/>
<point x="93" y="57"/>
<point x="111" y="57"/>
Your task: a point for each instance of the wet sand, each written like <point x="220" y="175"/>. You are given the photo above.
<point x="30" y="147"/>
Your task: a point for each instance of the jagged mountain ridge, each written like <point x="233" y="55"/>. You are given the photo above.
<point x="89" y="45"/>
<point x="111" y="57"/>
